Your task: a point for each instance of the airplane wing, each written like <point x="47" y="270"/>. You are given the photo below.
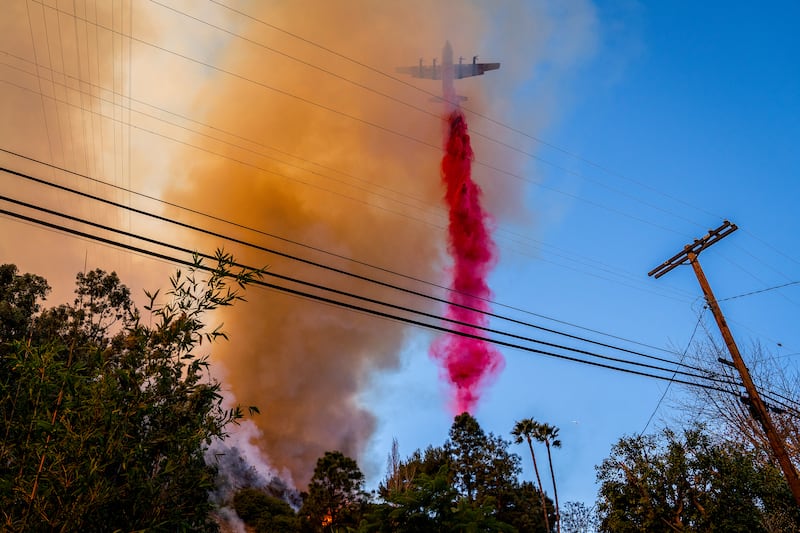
<point x="431" y="72"/>
<point x="473" y="69"/>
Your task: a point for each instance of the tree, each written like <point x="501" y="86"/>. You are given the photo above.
<point x="729" y="415"/>
<point x="393" y="463"/>
<point x="688" y="482"/>
<point x="426" y="502"/>
<point x="468" y="484"/>
<point x="723" y="410"/>
<point x="549" y="436"/>
<point x="107" y="419"/>
<point x="526" y="429"/>
<point x="265" y="513"/>
<point x="578" y="518"/>
<point x="336" y="496"/>
<point x="484" y="468"/>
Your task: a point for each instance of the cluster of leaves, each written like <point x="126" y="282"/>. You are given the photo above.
<point x="468" y="484"/>
<point x="690" y="483"/>
<point x="336" y="499"/>
<point x="105" y="419"/>
<point x="265" y="513"/>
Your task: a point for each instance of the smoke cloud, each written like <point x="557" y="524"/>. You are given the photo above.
<point x="302" y="362"/>
<point x="282" y="135"/>
<point x="350" y="157"/>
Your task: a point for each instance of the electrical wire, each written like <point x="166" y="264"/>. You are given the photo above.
<point x="320" y="265"/>
<point x="324" y="70"/>
<point x="759" y="291"/>
<point x="757" y="278"/>
<point x="770" y="395"/>
<point x="525" y="134"/>
<point x="465" y="108"/>
<point x="367" y="310"/>
<point x="470" y="327"/>
<point x="666" y="389"/>
<point x="112" y="30"/>
<point x="88" y="154"/>
<point x="71" y="135"/>
<point x="130" y="37"/>
<point x="39" y="82"/>
<point x="193" y="211"/>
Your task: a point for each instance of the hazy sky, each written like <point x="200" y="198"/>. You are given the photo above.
<point x="613" y="134"/>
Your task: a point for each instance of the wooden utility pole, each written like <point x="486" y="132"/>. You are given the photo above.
<point x="759" y="410"/>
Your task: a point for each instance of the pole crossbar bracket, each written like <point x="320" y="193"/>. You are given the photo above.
<point x="713" y="236"/>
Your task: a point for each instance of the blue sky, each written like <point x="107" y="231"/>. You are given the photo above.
<point x="660" y="120"/>
<point x="692" y="108"/>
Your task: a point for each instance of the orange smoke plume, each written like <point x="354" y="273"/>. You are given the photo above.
<point x="358" y="176"/>
<point x="280" y="121"/>
<point x="302" y="362"/>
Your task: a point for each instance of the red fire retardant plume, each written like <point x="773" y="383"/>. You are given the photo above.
<point x="467" y="362"/>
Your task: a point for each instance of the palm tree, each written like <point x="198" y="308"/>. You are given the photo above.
<point x="527" y="428"/>
<point x="549" y="436"/>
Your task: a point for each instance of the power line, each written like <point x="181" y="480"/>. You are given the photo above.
<point x="600" y="332"/>
<point x="371" y="311"/>
<point x="87" y="157"/>
<point x="465" y="108"/>
<point x="327" y="71"/>
<point x="130" y="37"/>
<point x="759" y="291"/>
<point x="771" y="247"/>
<point x="218" y="219"/>
<point x="243" y="162"/>
<point x="758" y="279"/>
<point x="666" y="389"/>
<point x="320" y="265"/>
<point x="39" y="82"/>
<point x="98" y="25"/>
<point x="772" y="396"/>
<point x="71" y="135"/>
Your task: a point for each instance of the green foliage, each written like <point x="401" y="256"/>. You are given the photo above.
<point x="106" y="420"/>
<point x="468" y="484"/>
<point x="576" y="517"/>
<point x="336" y="497"/>
<point x="265" y="513"/>
<point x="485" y="473"/>
<point x="426" y="504"/>
<point x="19" y="301"/>
<point x="689" y="483"/>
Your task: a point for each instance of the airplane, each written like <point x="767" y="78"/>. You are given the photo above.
<point x="460" y="70"/>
